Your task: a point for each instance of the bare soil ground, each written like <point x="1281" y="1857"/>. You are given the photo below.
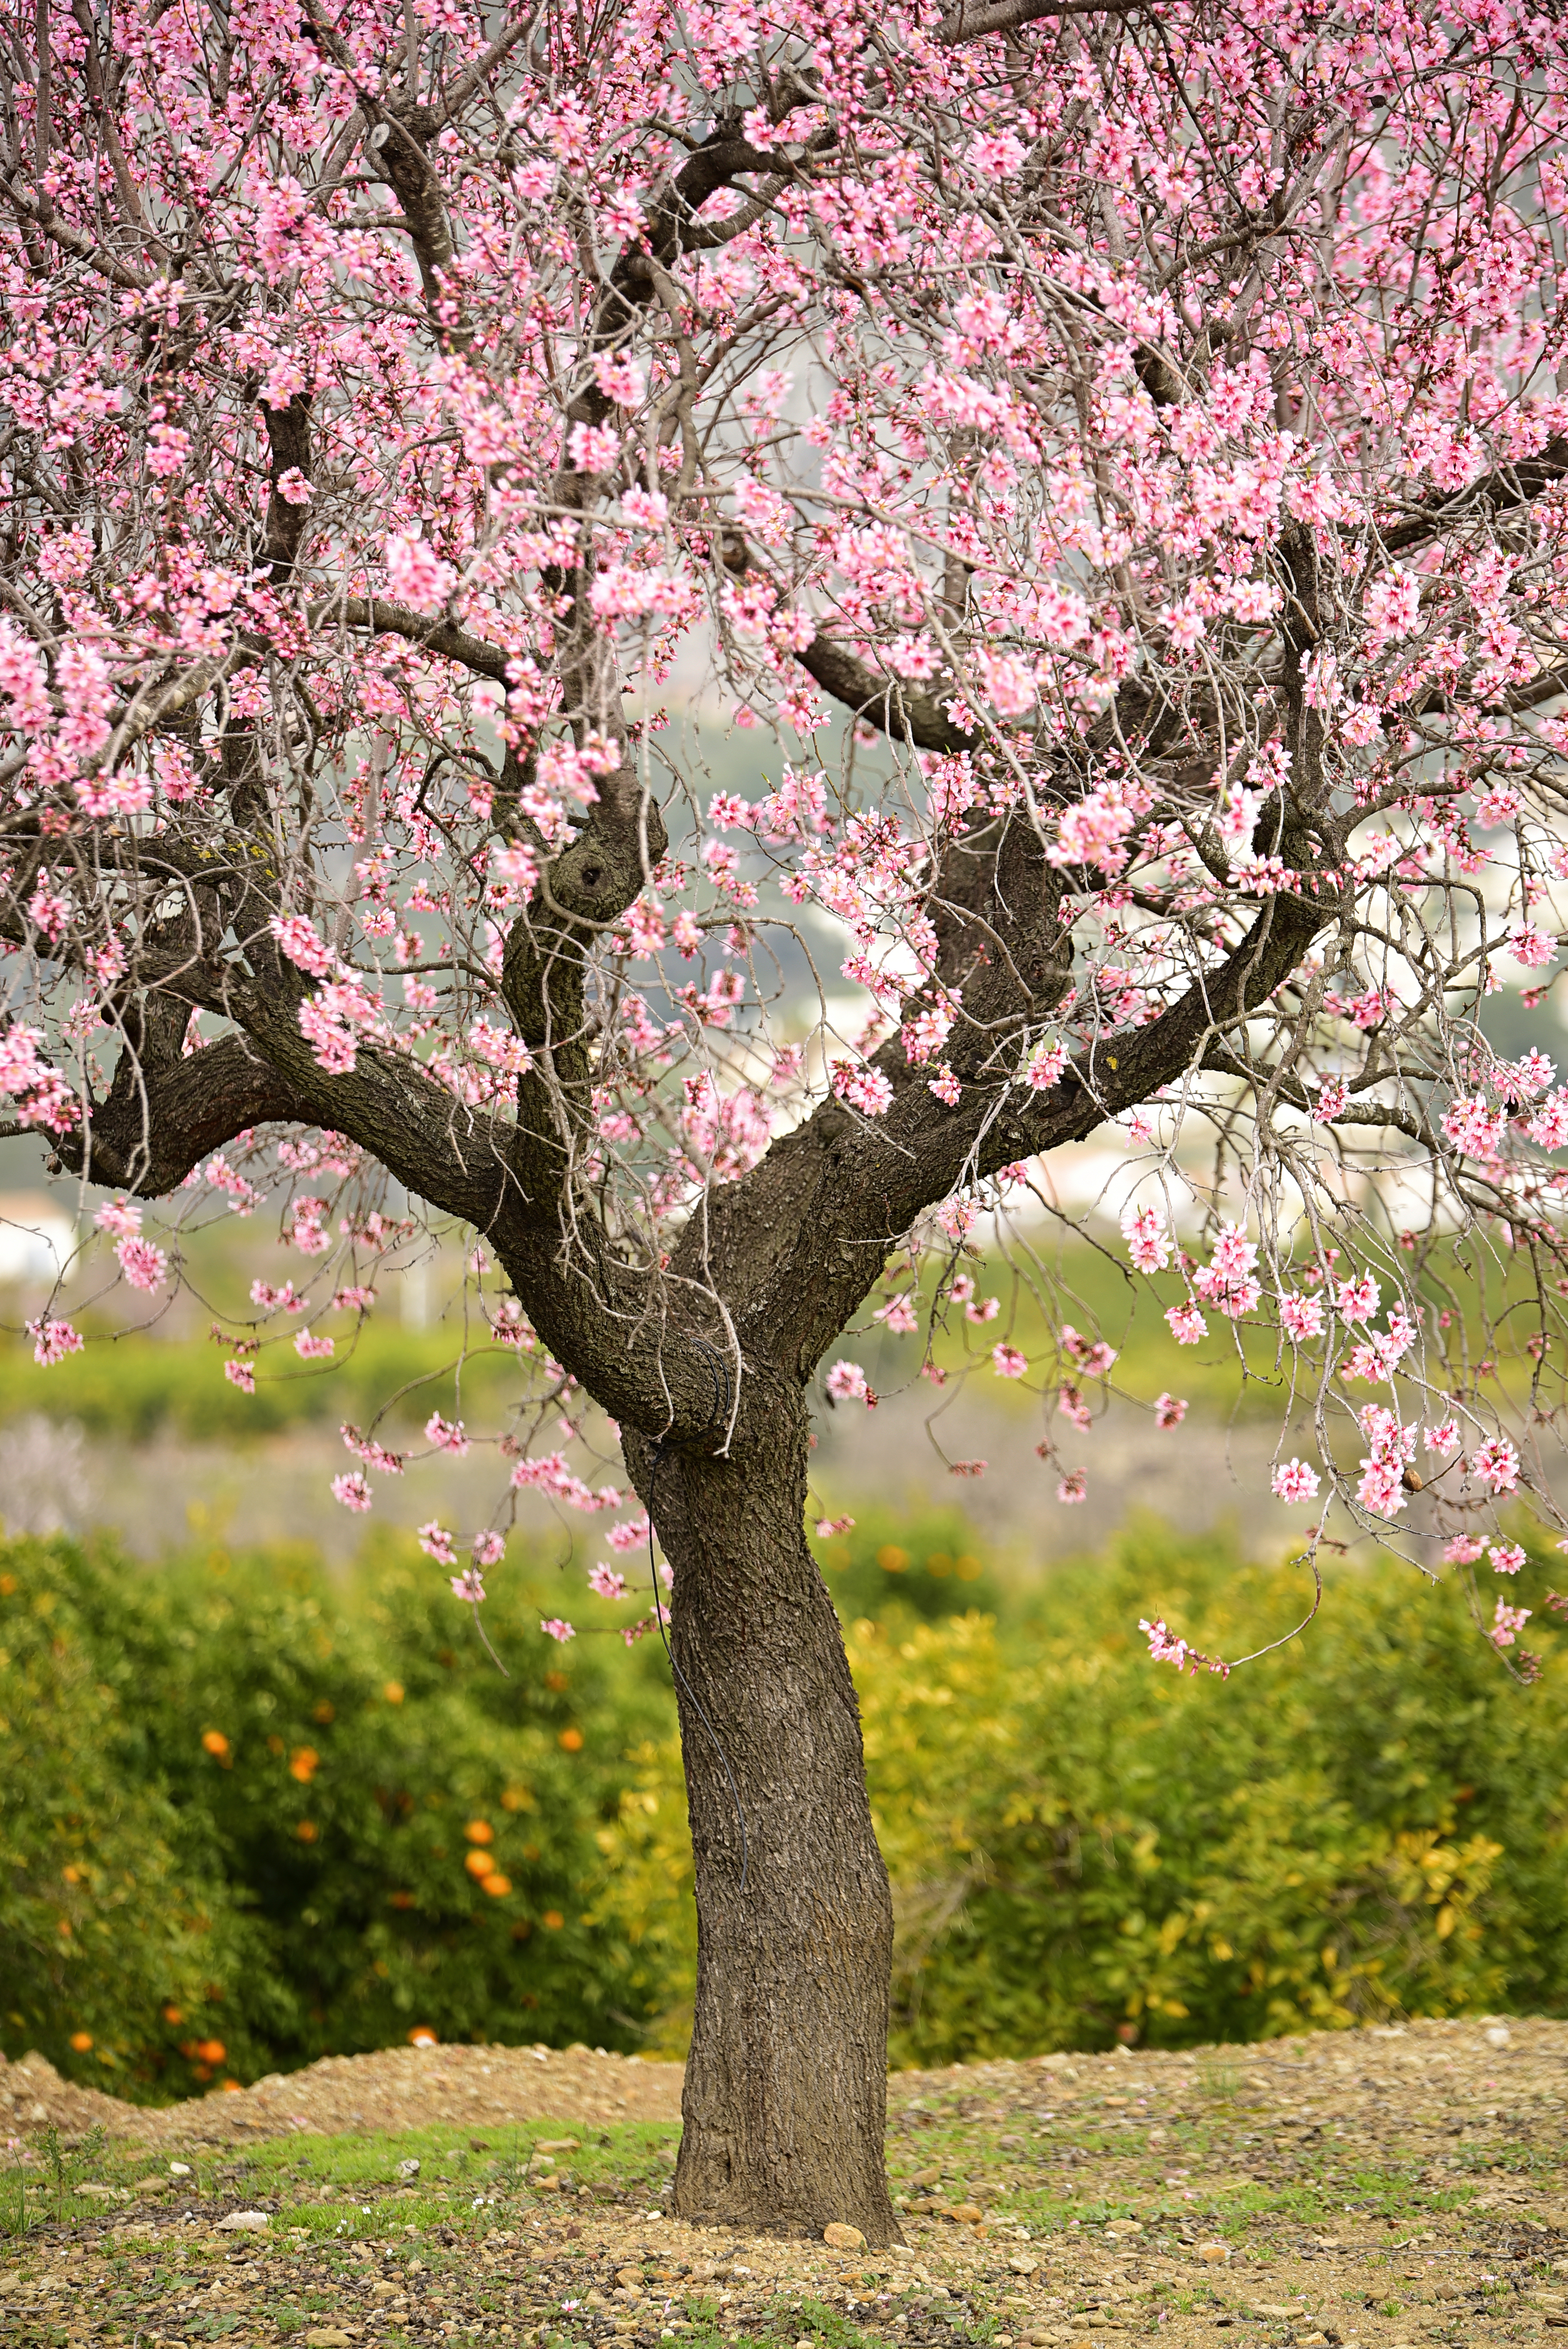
<point x="1365" y="2190"/>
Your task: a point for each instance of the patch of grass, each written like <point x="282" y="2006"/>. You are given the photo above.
<point x="354" y="2189"/>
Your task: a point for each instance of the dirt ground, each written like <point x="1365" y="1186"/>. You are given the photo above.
<point x="1365" y="2190"/>
<point x="403" y="2087"/>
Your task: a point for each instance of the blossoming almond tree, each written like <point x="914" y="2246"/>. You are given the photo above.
<point x="1145" y="424"/>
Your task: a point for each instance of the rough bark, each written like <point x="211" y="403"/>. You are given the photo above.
<point x="785" y="2100"/>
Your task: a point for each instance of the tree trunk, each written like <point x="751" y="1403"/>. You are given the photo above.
<point x="786" y="2086"/>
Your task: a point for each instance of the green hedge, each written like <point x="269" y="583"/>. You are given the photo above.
<point x="236" y="1805"/>
<point x="236" y="1800"/>
<point x="1083" y="1846"/>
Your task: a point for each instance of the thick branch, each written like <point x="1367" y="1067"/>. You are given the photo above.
<point x="967" y="23"/>
<point x="797" y="1244"/>
<point x="288" y="450"/>
<point x="157" y="1123"/>
<point x="379" y="618"/>
<point x="898" y="709"/>
<point x="70" y="240"/>
<point x="1497" y="492"/>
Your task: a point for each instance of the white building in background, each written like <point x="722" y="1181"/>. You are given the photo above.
<point x="36" y="1238"/>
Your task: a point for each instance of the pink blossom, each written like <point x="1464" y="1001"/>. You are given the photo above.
<point x="53" y="1341"/>
<point x="1009" y="1362"/>
<point x="593" y="447"/>
<point x="1381" y="1491"/>
<point x="42" y="1096"/>
<point x="332" y="1043"/>
<point x="298" y="939"/>
<point x="1548" y="1129"/>
<point x="415" y="575"/>
<point x="1444" y="1438"/>
<point x="646" y="509"/>
<point x="607" y="1582"/>
<point x="913" y="656"/>
<point x="555" y="1629"/>
<point x="897" y="1316"/>
<point x="1072" y="1406"/>
<point x="1507" y="1557"/>
<point x="1301" y="1317"/>
<point x="1532" y="1074"/>
<point x="312" y="1346"/>
<point x="846" y="1382"/>
<point x="1391" y="604"/>
<point x="1093" y="832"/>
<point x="1506" y="1623"/>
<point x="446" y="1435"/>
<point x="305" y="1227"/>
<point x="240" y="1375"/>
<point x="120" y="1215"/>
<point x="489" y="1549"/>
<point x="375" y="1456"/>
<point x="620" y="378"/>
<point x="1531" y="946"/>
<point x="1165" y="1648"/>
<point x="1333" y="1099"/>
<point x="1357" y="1300"/>
<point x="1092" y="1355"/>
<point x="1149" y="1242"/>
<point x="144" y="1265"/>
<point x="1073" y="1487"/>
<point x="1009" y="687"/>
<point x="1496" y="1463"/>
<point x="351" y="1490"/>
<point x="1044" y="1065"/>
<point x="437" y="1543"/>
<point x="1169" y="1411"/>
<point x="1296" y="1482"/>
<point x="997" y="154"/>
<point x="946" y="1087"/>
<point x="1462" y="1551"/>
<point x="631" y="1536"/>
<point x="926" y="1033"/>
<point x="1475" y="1127"/>
<point x="1499" y="804"/>
<point x="1228" y="1281"/>
<point x="866" y="1088"/>
<point x="470" y="1585"/>
<point x="1187" y="1324"/>
<point x="827" y="1526"/>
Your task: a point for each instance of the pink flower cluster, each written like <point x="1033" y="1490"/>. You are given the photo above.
<point x="42" y="1096"/>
